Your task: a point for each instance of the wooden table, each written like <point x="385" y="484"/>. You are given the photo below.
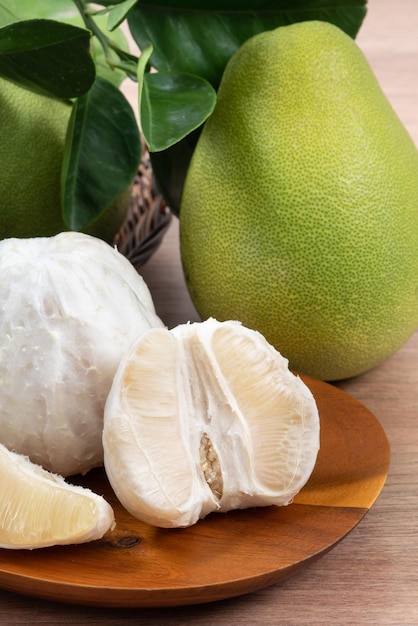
<point x="371" y="577"/>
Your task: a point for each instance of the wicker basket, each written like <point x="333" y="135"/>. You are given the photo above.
<point x="147" y="220"/>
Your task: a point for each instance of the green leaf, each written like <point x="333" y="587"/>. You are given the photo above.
<point x="102" y="156"/>
<point x="199" y="36"/>
<point x="62" y="10"/>
<point x="142" y="69"/>
<point x="173" y="105"/>
<point x="111" y="3"/>
<point x="7" y="16"/>
<point x="66" y="11"/>
<point x="119" y="13"/>
<point x="47" y="56"/>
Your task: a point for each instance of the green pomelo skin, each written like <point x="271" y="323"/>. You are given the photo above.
<point x="300" y="210"/>
<point x="33" y="130"/>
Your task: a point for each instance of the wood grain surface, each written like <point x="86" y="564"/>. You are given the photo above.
<point x="224" y="555"/>
<point x="371" y="577"/>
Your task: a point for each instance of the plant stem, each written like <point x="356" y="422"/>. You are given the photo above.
<point x="115" y="58"/>
<point x="91" y="24"/>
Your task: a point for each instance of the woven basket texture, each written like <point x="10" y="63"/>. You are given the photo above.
<point x="147" y="220"/>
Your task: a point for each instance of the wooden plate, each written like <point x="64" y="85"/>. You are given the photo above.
<point x="224" y="555"/>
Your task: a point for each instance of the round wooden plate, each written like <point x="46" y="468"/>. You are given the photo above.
<point x="224" y="555"/>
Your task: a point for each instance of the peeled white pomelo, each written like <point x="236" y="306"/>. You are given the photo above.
<point x="206" y="417"/>
<point x="70" y="305"/>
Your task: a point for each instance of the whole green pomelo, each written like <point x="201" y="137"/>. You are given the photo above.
<point x="33" y="130"/>
<point x="300" y="211"/>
